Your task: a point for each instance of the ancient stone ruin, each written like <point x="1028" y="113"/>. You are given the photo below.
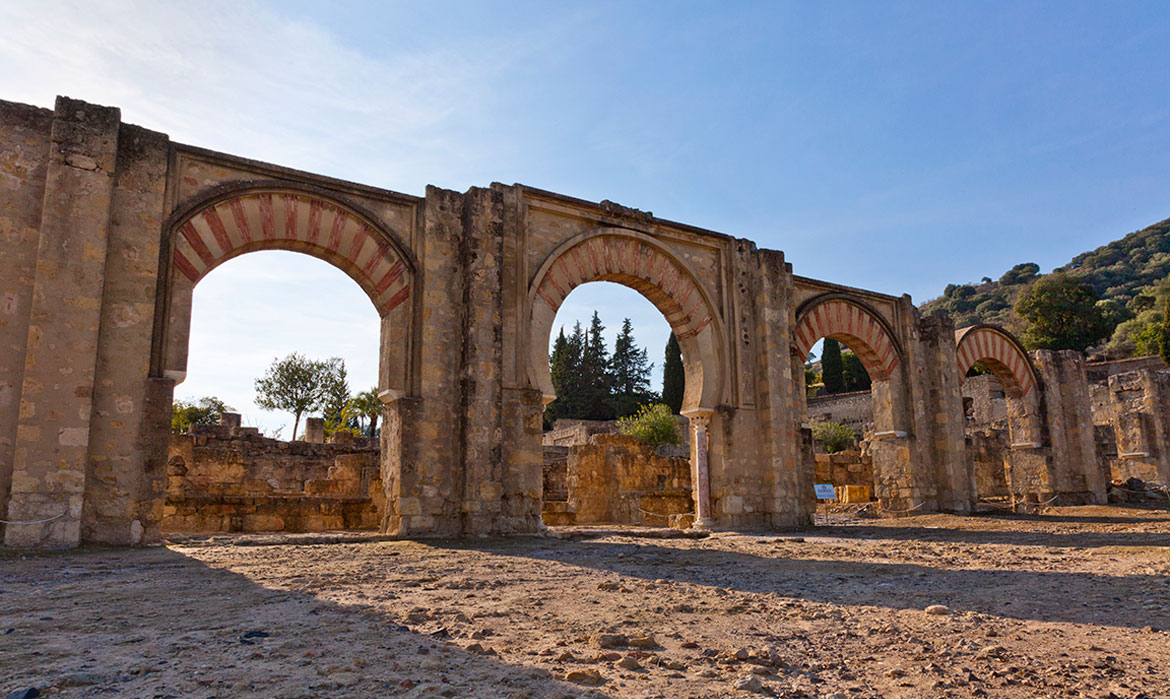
<point x="228" y="478"/>
<point x="109" y="227"/>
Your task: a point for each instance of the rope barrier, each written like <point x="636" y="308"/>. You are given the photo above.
<point x="995" y="504"/>
<point x="35" y="521"/>
<point x="667" y="516"/>
<point x="897" y="512"/>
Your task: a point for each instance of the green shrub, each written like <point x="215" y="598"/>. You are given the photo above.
<point x="653" y="425"/>
<point x="833" y="436"/>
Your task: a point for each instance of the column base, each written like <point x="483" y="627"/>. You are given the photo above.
<point x="705" y="524"/>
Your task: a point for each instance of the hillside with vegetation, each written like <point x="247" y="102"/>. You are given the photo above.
<point x="1115" y="294"/>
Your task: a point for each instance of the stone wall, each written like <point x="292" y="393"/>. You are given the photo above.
<point x="566" y="433"/>
<point x="984" y="402"/>
<point x="224" y="478"/>
<point x="845" y="468"/>
<point x="614" y="479"/>
<point x="854" y="409"/>
<point x="1141" y="425"/>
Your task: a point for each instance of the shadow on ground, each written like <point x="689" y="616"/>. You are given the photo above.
<point x="137" y="623"/>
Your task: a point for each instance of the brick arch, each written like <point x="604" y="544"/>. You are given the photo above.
<point x="297" y="220"/>
<point x="642" y="263"/>
<point x="996" y="349"/>
<point x="852" y="322"/>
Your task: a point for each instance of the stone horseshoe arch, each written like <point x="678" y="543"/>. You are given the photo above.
<point x="642" y="263"/>
<point x="235" y="220"/>
<point x="853" y="322"/>
<point x="996" y="349"/>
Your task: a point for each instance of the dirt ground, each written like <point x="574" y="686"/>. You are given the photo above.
<point x="1074" y="602"/>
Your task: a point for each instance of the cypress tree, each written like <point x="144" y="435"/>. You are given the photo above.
<point x="674" y="378"/>
<point x="559" y="367"/>
<point x="594" y="373"/>
<point x="629" y="374"/>
<point x="831" y="367"/>
<point x="853" y="374"/>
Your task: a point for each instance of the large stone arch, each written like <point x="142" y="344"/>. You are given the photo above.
<point x="854" y="323"/>
<point x="996" y="349"/>
<point x="642" y="263"/>
<point x="236" y="220"/>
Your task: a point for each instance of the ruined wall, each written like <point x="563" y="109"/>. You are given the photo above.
<point x="1141" y="425"/>
<point x="854" y="409"/>
<point x="231" y="479"/>
<point x="566" y="433"/>
<point x="845" y="468"/>
<point x="615" y="479"/>
<point x="984" y="401"/>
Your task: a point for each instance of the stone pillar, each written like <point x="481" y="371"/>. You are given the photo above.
<point x="56" y="400"/>
<point x="1141" y="422"/>
<point x="230" y="420"/>
<point x="1068" y="419"/>
<point x="700" y="475"/>
<point x="315" y="430"/>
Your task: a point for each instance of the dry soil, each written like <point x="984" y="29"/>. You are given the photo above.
<point x="1073" y="602"/>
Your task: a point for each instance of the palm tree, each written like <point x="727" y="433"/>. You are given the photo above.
<point x="365" y="406"/>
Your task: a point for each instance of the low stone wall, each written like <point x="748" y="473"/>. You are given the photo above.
<point x="225" y="478"/>
<point x="845" y="468"/>
<point x="566" y="433"/>
<point x="615" y="479"/>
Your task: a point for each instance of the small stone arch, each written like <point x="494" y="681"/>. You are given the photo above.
<point x="996" y="349"/>
<point x="644" y="264"/>
<point x="853" y="322"/>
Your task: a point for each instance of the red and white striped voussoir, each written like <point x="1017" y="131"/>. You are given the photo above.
<point x="852" y="324"/>
<point x="657" y="275"/>
<point x="266" y="220"/>
<point x="1000" y="354"/>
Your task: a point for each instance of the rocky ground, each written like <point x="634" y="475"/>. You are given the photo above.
<point x="1074" y="602"/>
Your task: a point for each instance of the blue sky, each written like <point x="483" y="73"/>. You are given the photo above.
<point x="892" y="146"/>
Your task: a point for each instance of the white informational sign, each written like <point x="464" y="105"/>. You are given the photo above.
<point x="825" y="491"/>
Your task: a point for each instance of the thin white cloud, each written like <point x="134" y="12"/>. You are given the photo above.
<point x="240" y="78"/>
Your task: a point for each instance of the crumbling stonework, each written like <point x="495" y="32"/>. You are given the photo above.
<point x="845" y="468"/>
<point x="109" y="228"/>
<point x="615" y="478"/>
<point x="1141" y="425"/>
<point x="227" y="478"/>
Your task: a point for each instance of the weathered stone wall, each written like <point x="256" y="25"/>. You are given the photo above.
<point x="845" y="468"/>
<point x="1141" y="424"/>
<point x="616" y="479"/>
<point x="854" y="409"/>
<point x="566" y="433"/>
<point x="24" y="160"/>
<point x="990" y="448"/>
<point x="231" y="479"/>
<point x="984" y="402"/>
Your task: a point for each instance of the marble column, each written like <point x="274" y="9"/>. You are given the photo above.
<point x="701" y="475"/>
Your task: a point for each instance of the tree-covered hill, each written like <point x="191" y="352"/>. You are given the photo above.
<point x="1125" y="274"/>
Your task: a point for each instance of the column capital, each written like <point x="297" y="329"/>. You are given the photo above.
<point x="699" y="417"/>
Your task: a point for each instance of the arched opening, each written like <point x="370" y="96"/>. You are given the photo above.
<point x="854" y="437"/>
<point x="650" y="268"/>
<point x="607" y="357"/>
<point x="1001" y="400"/>
<point x="330" y="474"/>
